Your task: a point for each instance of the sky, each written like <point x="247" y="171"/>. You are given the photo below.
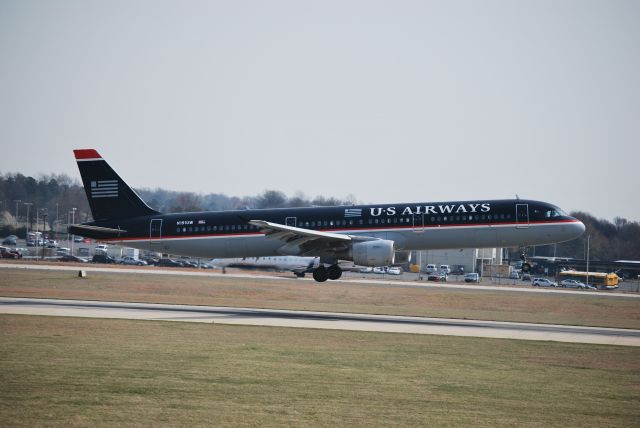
<point x="387" y="101"/>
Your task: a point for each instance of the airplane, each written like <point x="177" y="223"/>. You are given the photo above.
<point x="298" y="265"/>
<point x="368" y="235"/>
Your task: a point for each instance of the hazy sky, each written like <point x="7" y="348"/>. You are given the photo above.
<point x="394" y="101"/>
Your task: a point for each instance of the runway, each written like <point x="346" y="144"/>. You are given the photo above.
<point x="319" y="320"/>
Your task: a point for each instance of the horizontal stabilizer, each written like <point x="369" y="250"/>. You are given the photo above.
<point x="77" y="229"/>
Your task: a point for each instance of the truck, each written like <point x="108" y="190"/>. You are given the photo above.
<point x="134" y="253"/>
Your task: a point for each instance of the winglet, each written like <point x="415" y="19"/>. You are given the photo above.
<point x="87" y="154"/>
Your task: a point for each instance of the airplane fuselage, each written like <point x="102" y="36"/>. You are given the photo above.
<point x="412" y="226"/>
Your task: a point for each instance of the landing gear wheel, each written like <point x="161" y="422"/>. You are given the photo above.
<point x="320" y="274"/>
<point x="334" y="272"/>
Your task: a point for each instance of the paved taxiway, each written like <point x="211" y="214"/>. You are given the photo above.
<point x="319" y="320"/>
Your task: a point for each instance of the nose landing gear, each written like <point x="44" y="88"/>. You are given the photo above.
<point x="526" y="267"/>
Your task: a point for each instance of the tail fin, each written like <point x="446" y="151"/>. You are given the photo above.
<point x="109" y="196"/>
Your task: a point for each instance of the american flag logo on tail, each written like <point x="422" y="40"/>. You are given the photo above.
<point x="104" y="189"/>
<point x="353" y="212"/>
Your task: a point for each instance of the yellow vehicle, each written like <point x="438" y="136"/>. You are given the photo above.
<point x="597" y="279"/>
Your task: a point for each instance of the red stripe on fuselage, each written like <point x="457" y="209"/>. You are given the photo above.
<point x="86" y="154"/>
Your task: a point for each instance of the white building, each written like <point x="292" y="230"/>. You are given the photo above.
<point x="468" y="258"/>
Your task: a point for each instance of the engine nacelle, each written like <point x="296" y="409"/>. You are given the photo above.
<point x="373" y="253"/>
<point x="402" y="257"/>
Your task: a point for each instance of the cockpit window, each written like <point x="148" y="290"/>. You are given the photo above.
<point x="554" y="213"/>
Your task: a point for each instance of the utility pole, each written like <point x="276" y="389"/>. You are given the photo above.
<point x="17" y="201"/>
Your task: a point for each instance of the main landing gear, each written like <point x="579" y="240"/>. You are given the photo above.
<point x="321" y="273"/>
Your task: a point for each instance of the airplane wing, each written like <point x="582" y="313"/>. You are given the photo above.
<point x="297" y="241"/>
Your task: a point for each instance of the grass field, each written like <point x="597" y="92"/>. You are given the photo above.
<point x="85" y="372"/>
<point x="288" y="293"/>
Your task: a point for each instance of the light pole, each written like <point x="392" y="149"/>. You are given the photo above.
<point x="588" y="239"/>
<point x="73" y="221"/>
<point x="28" y="204"/>
<point x="44" y="227"/>
<point x="17" y="201"/>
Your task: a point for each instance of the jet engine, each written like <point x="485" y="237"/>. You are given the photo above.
<point x="373" y="253"/>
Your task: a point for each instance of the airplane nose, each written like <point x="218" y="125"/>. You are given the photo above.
<point x="577" y="228"/>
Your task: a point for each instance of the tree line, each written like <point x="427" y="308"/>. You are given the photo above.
<point x="57" y="195"/>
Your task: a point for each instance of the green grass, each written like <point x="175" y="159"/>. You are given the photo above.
<point x="82" y="372"/>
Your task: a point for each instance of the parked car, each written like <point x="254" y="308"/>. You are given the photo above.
<point x="103" y="258"/>
<point x="543" y="282"/>
<point x="189" y="263"/>
<point x="10" y="253"/>
<point x="169" y="263"/>
<point x="572" y="283"/>
<point x="76" y="259"/>
<point x="151" y="260"/>
<point x="63" y="251"/>
<point x="472" y="277"/>
<point x="51" y="243"/>
<point x="445" y="268"/>
<point x="458" y="270"/>
<point x="394" y="271"/>
<point x="437" y="276"/>
<point x="431" y="268"/>
<point x="514" y="275"/>
<point x="205" y="266"/>
<point x="78" y="238"/>
<point x="131" y="261"/>
<point x="379" y="269"/>
<point x="101" y="249"/>
<point x="10" y="240"/>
